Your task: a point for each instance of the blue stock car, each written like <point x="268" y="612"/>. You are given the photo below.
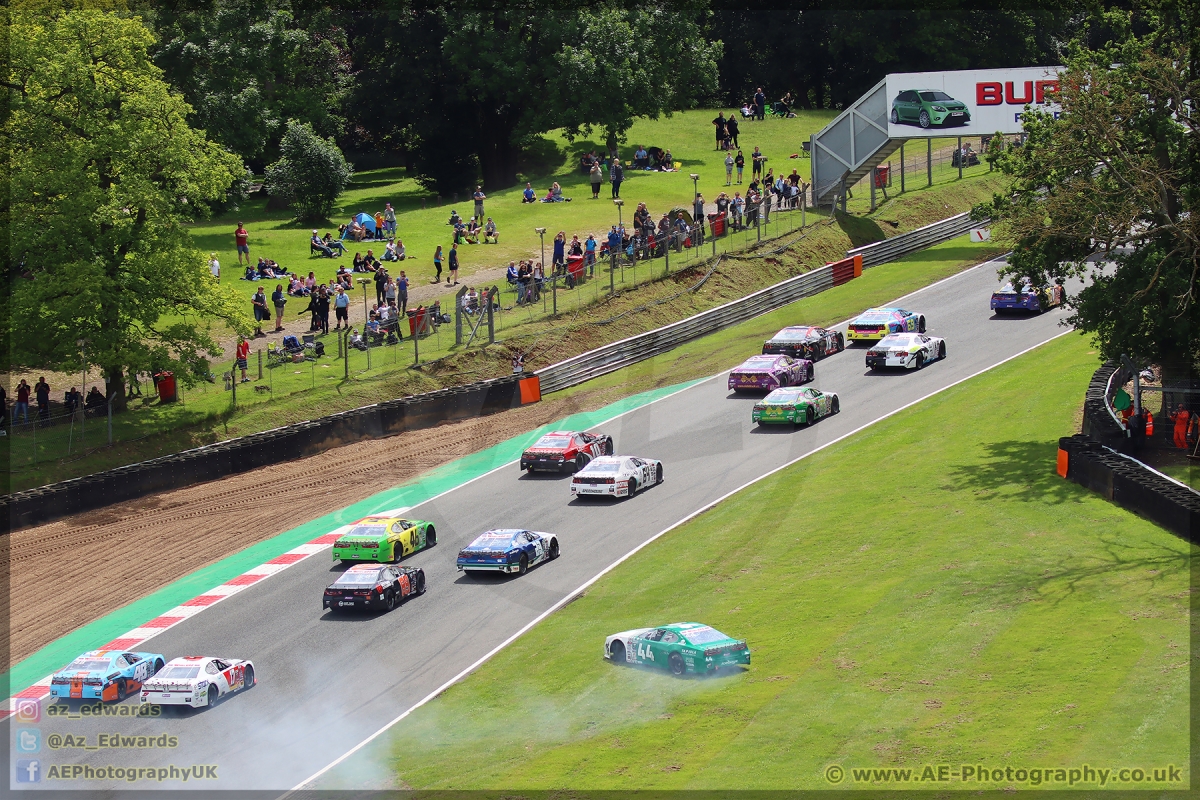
<point x="508" y="550"/>
<point x="105" y="675"/>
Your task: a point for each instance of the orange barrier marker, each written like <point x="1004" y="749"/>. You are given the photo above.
<point x="1062" y="463"/>
<point x="531" y="390"/>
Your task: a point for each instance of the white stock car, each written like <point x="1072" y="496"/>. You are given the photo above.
<point x="616" y="476"/>
<point x="907" y="350"/>
<point x="197" y="681"/>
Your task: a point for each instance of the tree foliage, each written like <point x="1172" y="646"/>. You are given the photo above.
<point x="1117" y="176"/>
<point x="248" y="67"/>
<point x="104" y="171"/>
<point x="311" y="172"/>
<point x="483" y="79"/>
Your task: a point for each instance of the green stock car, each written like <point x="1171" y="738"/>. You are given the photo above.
<point x="383" y="538"/>
<point x="794" y="406"/>
<point x="680" y="647"/>
<point x="928" y="108"/>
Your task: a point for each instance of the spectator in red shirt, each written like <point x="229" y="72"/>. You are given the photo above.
<point x="243" y="357"/>
<point x="22" y="406"/>
<point x="242" y="238"/>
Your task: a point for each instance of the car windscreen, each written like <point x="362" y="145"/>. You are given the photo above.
<point x="934" y="97"/>
<point x="791" y="335"/>
<point x="368" y="530"/>
<point x="704" y="635"/>
<point x="894" y="341"/>
<point x="606" y="467"/>
<point x="762" y="362"/>
<point x="783" y="397"/>
<point x="353" y="577"/>
<point x="178" y="673"/>
<point x="88" y="665"/>
<point x="553" y="441"/>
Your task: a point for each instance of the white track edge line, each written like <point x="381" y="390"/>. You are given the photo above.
<point x="571" y="595"/>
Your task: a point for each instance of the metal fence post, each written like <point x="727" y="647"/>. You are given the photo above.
<point x="929" y="162"/>
<point x="960" y="158"/>
<point x="612" y="276"/>
<point x="260" y="356"/>
<point x="346" y="363"/>
<point x="110" y="420"/>
<point x="902" y="167"/>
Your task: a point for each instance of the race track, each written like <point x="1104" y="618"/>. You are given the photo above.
<point x="326" y="683"/>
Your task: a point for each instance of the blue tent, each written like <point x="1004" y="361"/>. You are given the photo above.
<point x="366" y="220"/>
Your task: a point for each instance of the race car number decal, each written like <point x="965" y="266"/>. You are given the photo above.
<point x="141" y="671"/>
<point x="404" y="585"/>
<point x="645" y="652"/>
<point x="234" y="676"/>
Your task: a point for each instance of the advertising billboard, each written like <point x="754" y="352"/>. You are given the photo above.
<point x="967" y="102"/>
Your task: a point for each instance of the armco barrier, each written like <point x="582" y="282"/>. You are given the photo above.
<point x="611" y="357"/>
<point x="268" y="447"/>
<point x="1130" y="484"/>
<point x="935" y="233"/>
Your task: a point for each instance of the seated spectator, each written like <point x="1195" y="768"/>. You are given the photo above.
<point x="455" y="219"/>
<point x="370" y="261"/>
<point x="470" y="301"/>
<point x="399" y="250"/>
<point x="472" y="232"/>
<point x="331" y="243"/>
<point x="357" y="232"/>
<point x="310" y="282"/>
<point x="555" y="195"/>
<point x="460" y="234"/>
<point x="94" y="401"/>
<point x="389" y="252"/>
<point x="71" y="400"/>
<point x="374" y="333"/>
<point x="668" y="162"/>
<point x="489" y="232"/>
<point x="358" y="264"/>
<point x="344" y="279"/>
<point x="316" y="243"/>
<point x="356" y="340"/>
<point x="528" y="195"/>
<point x="512" y="273"/>
<point x="296" y="288"/>
<point x="251" y="273"/>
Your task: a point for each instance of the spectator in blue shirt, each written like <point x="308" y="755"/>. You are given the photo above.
<point x="528" y="196"/>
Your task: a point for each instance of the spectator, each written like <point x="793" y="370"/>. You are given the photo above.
<point x="73" y="401"/>
<point x="512" y="274"/>
<point x="437" y="264"/>
<point x="389" y="219"/>
<point x="318" y="244"/>
<point x="596" y="176"/>
<point x="389" y="252"/>
<point x="489" y="232"/>
<point x="641" y="157"/>
<point x="358" y="264"/>
<point x="616" y="174"/>
<point x="259" y="302"/>
<point x="95" y="401"/>
<point x="738" y="207"/>
<point x="729" y="169"/>
<point x="321" y="306"/>
<point x="402" y="292"/>
<point x="279" y="300"/>
<point x="479" y="197"/>
<point x="731" y="130"/>
<point x="331" y="243"/>
<point x="242" y="356"/>
<point x="740" y="162"/>
<point x="22" y="406"/>
<point x="528" y="196"/>
<point x="242" y="239"/>
<point x="472" y="235"/>
<point x="518" y="363"/>
<point x="556" y="194"/>
<point x="41" y="392"/>
<point x="614" y="241"/>
<point x="757" y="159"/>
<point x="214" y="267"/>
<point x="455" y="219"/>
<point x="719" y="122"/>
<point x="722" y="203"/>
<point x="358" y="232"/>
<point x="698" y="220"/>
<point x="341" y="308"/>
<point x="381" y="277"/>
<point x="378" y="224"/>
<point x="589" y="251"/>
<point x="453" y="274"/>
<point x="389" y="291"/>
<point x="558" y="259"/>
<point x="400" y="254"/>
<point x="3" y="411"/>
<point x="310" y="282"/>
<point x="760" y="104"/>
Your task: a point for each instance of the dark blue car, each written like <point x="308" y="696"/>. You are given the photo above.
<point x="1028" y="299"/>
<point x="508" y="550"/>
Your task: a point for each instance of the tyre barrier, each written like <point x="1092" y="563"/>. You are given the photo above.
<point x="1100" y="420"/>
<point x="245" y="453"/>
<point x="1130" y="484"/>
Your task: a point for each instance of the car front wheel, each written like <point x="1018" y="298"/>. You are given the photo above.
<point x="676" y="665"/>
<point x="942" y="350"/>
<point x="617" y="652"/>
<point x="658" y="475"/>
<point x="923" y="119"/>
<point x="895" y="118"/>
<point x="554" y="549"/>
<point x="834" y="407"/>
<point x="248" y="679"/>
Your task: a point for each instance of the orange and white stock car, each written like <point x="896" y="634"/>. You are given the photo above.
<point x="197" y="681"/>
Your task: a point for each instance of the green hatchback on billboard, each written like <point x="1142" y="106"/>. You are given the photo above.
<point x="928" y="108"/>
<point x="680" y="647"/>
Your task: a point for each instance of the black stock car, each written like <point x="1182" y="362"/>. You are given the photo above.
<point x="373" y="587"/>
<point x="805" y="341"/>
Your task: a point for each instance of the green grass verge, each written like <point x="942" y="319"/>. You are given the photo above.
<point x="962" y="606"/>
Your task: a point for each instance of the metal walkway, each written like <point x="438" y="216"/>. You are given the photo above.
<point x="847" y="149"/>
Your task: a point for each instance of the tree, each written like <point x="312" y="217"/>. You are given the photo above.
<point x="104" y="172"/>
<point x="310" y="173"/>
<point x="1117" y="175"/>
<point x="487" y="78"/>
<point x="248" y="67"/>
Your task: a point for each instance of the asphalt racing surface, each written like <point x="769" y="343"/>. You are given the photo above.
<point x="327" y="682"/>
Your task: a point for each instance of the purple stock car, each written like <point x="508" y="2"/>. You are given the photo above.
<point x="765" y="373"/>
<point x="1028" y="299"/>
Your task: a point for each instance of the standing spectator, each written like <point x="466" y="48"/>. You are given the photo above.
<point x="437" y="264"/>
<point x="322" y="309"/>
<point x="738" y="206"/>
<point x="1181" y="418"/>
<point x="279" y="300"/>
<point x="402" y="292"/>
<point x="729" y="169"/>
<point x="719" y="122"/>
<point x="242" y="354"/>
<point x="242" y="239"/>
<point x="698" y="220"/>
<point x="731" y="129"/>
<point x="259" y="302"/>
<point x="341" y="308"/>
<point x="214" y="267"/>
<point x="381" y="276"/>
<point x="479" y="197"/>
<point x="596" y="176"/>
<point x="22" y="406"/>
<point x="558" y="260"/>
<point x="518" y="364"/>
<point x="740" y="162"/>
<point x="378" y="224"/>
<point x="760" y="104"/>
<point x="41" y="391"/>
<point x="757" y="160"/>
<point x="589" y="251"/>
<point x="389" y="219"/>
<point x="616" y="174"/>
<point x="389" y="291"/>
<point x="453" y="274"/>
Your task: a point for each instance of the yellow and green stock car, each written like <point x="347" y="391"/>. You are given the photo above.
<point x="384" y="539"/>
<point x="794" y="405"/>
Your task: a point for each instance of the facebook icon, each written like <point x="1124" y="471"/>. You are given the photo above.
<point x="29" y="770"/>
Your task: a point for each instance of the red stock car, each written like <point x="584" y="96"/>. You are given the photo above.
<point x="566" y="451"/>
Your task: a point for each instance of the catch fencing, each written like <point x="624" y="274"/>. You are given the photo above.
<point x="899" y="246"/>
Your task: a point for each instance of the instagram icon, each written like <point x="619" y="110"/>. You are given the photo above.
<point x="28" y="710"/>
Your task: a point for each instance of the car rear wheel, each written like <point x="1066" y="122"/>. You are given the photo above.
<point x="389" y="601"/>
<point x="919" y="361"/>
<point x="809" y="416"/>
<point x="580" y="462"/>
<point x="524" y="566"/>
<point x="553" y="549"/>
<point x="430" y="537"/>
<point x="895" y="118"/>
<point x="942" y="350"/>
<point x="658" y="474"/>
<point x="617" y="652"/>
<point x="632" y="487"/>
<point x="920" y="324"/>
<point x="213" y="694"/>
<point x="397" y="552"/>
<point x="676" y="665"/>
<point x="158" y="665"/>
<point x="608" y="446"/>
<point x="249" y="678"/>
<point x="120" y="690"/>
<point x="923" y="119"/>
